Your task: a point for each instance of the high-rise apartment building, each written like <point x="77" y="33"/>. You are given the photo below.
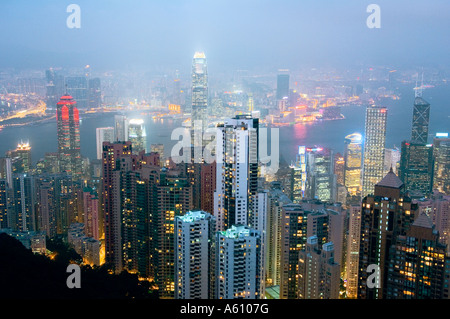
<point x="194" y="255"/>
<point x="417" y="263"/>
<point x="239" y="274"/>
<point x="318" y="271"/>
<point x="236" y="193"/>
<point x="385" y="215"/>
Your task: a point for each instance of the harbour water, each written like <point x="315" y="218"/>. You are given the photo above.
<point x="42" y="136"/>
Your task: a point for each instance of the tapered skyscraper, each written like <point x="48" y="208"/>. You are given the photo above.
<point x="68" y="126"/>
<point x="199" y="89"/>
<point x="421" y="119"/>
<point x="374" y="145"/>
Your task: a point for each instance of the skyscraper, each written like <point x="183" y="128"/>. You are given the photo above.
<point x="77" y="86"/>
<point x="352" y="163"/>
<point x="68" y="128"/>
<point x="282" y="85"/>
<point x="441" y="172"/>
<point x="318" y="271"/>
<point x="137" y="135"/>
<point x="194" y="255"/>
<point x="385" y="215"/>
<point x="239" y="274"/>
<point x="103" y="134"/>
<point x="199" y="90"/>
<point x="293" y="240"/>
<point x="21" y="158"/>
<point x="374" y="145"/>
<point x="417" y="263"/>
<point x="420" y="121"/>
<point x="236" y="192"/>
<point x="416" y="167"/>
<point x="320" y="178"/>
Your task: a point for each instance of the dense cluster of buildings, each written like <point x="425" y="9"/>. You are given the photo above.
<point x="370" y="223"/>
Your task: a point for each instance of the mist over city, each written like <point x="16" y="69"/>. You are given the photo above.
<point x="224" y="150"/>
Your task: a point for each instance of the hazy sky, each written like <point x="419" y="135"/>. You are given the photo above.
<point x="246" y="33"/>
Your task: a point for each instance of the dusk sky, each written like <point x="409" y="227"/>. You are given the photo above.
<point x="250" y="33"/>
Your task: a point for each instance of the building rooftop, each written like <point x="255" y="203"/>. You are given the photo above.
<point x="390" y="180"/>
<point x="423" y="221"/>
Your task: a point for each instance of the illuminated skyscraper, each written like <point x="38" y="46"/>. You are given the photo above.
<point x="374" y="145"/>
<point x="353" y="162"/>
<point x="441" y="150"/>
<point x="103" y="134"/>
<point x="199" y="90"/>
<point x="239" y="274"/>
<point x="21" y="158"/>
<point x="416" y="167"/>
<point x="319" y="273"/>
<point x="385" y="215"/>
<point x="194" y="255"/>
<point x="298" y="176"/>
<point x="421" y="119"/>
<point x="68" y="126"/>
<point x="417" y="265"/>
<point x="320" y="178"/>
<point x="137" y="135"/>
<point x="235" y="198"/>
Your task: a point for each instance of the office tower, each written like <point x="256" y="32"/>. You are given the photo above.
<point x="54" y="87"/>
<point x="293" y="240"/>
<point x="94" y="93"/>
<point x="137" y="135"/>
<point x="441" y="155"/>
<point x="339" y="168"/>
<point x="194" y="255"/>
<point x="91" y="212"/>
<point x="392" y="159"/>
<point x="199" y="90"/>
<point x="21" y="158"/>
<point x="111" y="201"/>
<point x="352" y="257"/>
<point x="416" y="168"/>
<point x="318" y="272"/>
<point x="417" y="263"/>
<point x="23" y="203"/>
<point x="77" y="86"/>
<point x="384" y="216"/>
<point x="320" y="178"/>
<point x="353" y="162"/>
<point x="298" y="176"/>
<point x="208" y="186"/>
<point x="239" y="274"/>
<point x="236" y="191"/>
<point x="103" y="134"/>
<point x="4" y="203"/>
<point x="420" y="120"/>
<point x="374" y="146"/>
<point x="120" y="128"/>
<point x="68" y="129"/>
<point x="282" y="85"/>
